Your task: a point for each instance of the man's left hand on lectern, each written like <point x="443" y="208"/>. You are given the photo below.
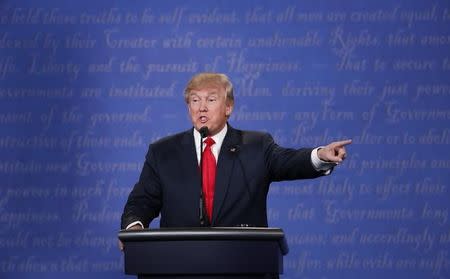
<point x="133" y="228"/>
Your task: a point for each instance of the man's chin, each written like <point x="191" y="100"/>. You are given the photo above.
<point x="201" y="125"/>
<point x="211" y="130"/>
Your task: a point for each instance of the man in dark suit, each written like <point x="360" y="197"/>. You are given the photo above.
<point x="238" y="167"/>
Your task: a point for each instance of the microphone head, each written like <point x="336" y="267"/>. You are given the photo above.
<point x="204" y="132"/>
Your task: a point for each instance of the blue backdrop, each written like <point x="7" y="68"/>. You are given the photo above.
<point x="85" y="86"/>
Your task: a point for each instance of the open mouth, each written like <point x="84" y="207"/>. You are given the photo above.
<point x="203" y="119"/>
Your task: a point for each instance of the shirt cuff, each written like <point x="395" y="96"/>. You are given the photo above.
<point x="320" y="165"/>
<point x="134" y="224"/>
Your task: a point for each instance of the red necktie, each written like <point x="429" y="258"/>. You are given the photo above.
<point x="209" y="176"/>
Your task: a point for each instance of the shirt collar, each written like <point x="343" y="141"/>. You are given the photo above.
<point x="218" y="138"/>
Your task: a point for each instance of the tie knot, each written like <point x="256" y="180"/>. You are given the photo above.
<point x="209" y="141"/>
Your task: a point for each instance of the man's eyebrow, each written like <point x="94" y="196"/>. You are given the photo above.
<point x="213" y="92"/>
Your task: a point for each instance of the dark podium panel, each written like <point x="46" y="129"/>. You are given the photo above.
<point x="204" y="252"/>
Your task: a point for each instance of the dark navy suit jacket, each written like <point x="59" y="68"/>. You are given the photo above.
<point x="248" y="162"/>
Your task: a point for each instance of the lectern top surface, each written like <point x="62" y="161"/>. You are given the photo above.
<point x="210" y="233"/>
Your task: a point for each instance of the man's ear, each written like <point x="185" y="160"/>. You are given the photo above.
<point x="229" y="109"/>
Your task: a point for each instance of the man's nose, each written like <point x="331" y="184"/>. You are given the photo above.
<point x="203" y="106"/>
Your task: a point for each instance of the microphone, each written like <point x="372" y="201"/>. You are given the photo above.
<point x="204" y="132"/>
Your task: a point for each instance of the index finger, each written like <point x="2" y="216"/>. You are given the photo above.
<point x="342" y="143"/>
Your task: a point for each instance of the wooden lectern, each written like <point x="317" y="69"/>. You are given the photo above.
<point x="204" y="252"/>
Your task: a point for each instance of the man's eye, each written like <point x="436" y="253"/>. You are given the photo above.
<point x="212" y="100"/>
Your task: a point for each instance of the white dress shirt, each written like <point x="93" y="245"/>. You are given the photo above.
<point x="215" y="148"/>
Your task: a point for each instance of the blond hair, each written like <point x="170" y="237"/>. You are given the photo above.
<point x="210" y="80"/>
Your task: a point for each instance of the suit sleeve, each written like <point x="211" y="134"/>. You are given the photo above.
<point x="287" y="163"/>
<point x="144" y="201"/>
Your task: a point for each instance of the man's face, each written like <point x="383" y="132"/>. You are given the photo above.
<point x="209" y="107"/>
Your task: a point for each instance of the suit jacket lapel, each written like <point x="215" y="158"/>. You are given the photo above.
<point x="224" y="172"/>
<point x="188" y="162"/>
